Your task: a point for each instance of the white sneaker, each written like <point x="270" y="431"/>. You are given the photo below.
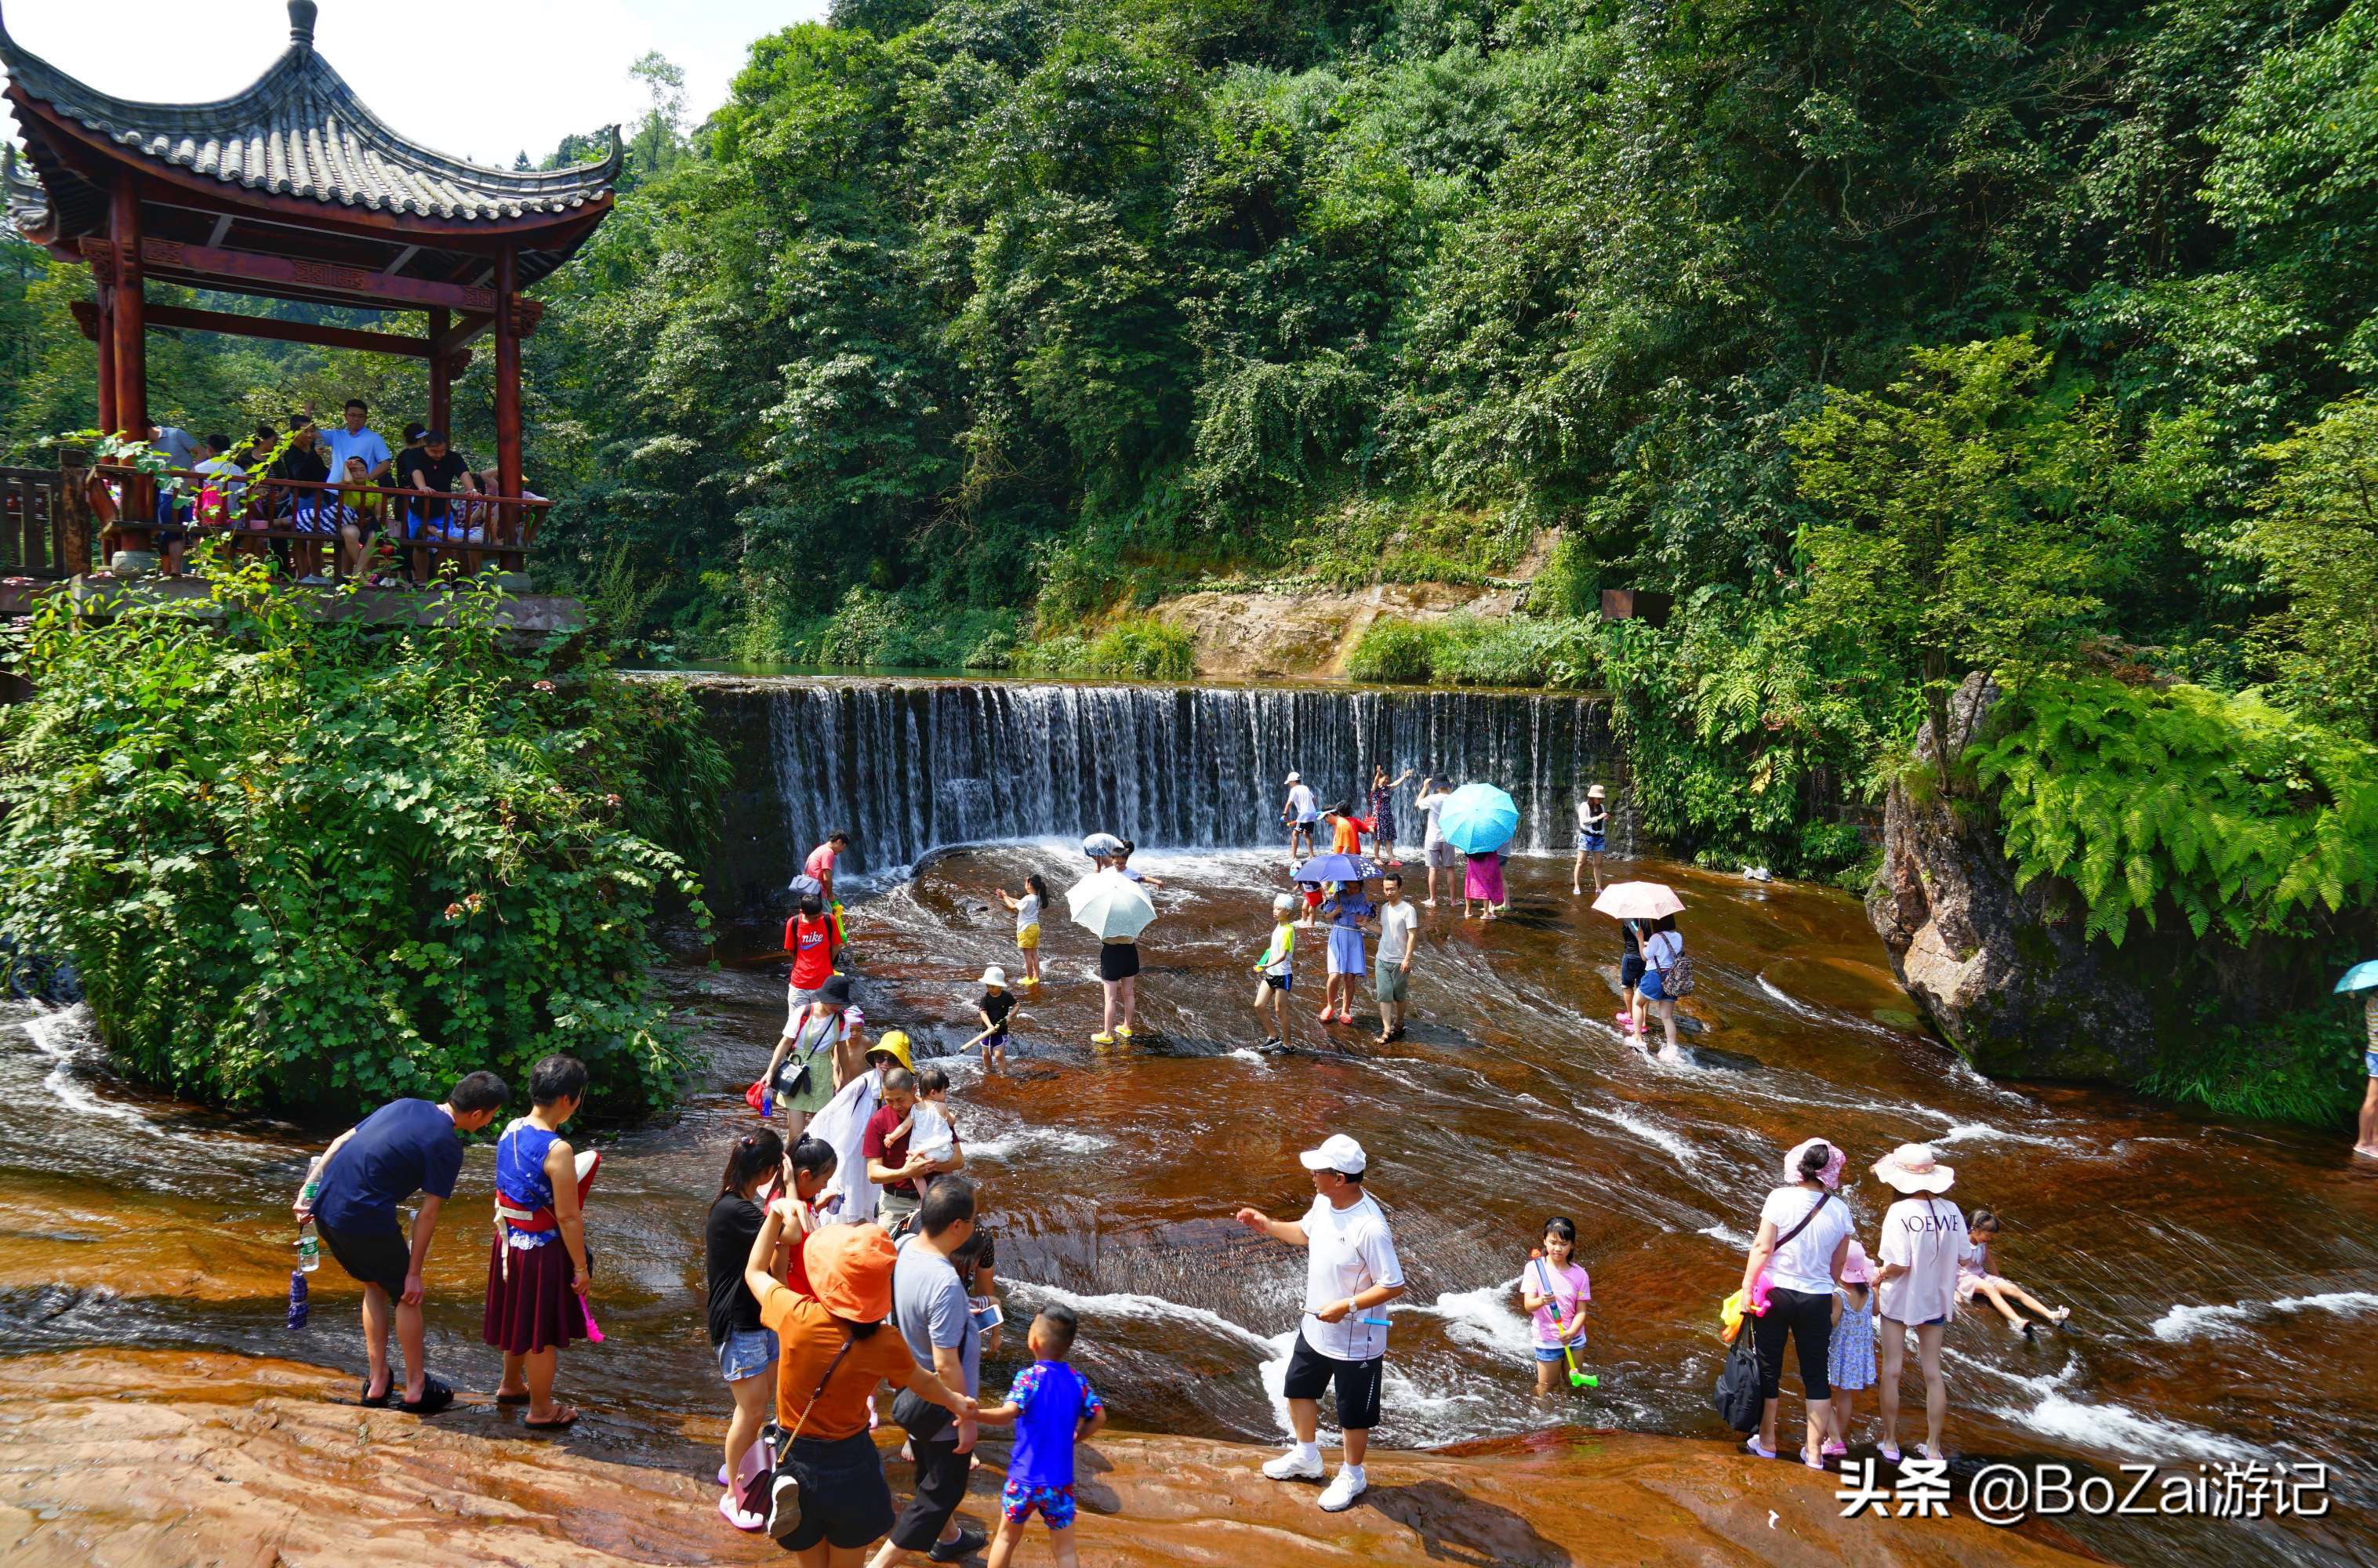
<point x="1341" y="1493"/>
<point x="1296" y="1465"/>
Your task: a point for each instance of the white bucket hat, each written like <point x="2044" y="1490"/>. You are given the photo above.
<point x="1594" y="793"/>
<point x="1912" y="1167"/>
<point x="1281" y="902"/>
<point x="994" y="976"/>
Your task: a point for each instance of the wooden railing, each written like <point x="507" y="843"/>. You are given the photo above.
<point x="300" y="520"/>
<point x="34" y="515"/>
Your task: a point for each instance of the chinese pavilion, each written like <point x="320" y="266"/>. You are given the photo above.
<point x="292" y="190"/>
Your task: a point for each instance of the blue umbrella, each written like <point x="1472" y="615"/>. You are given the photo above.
<point x="1478" y="818"/>
<point x="1336" y="869"/>
<point x="2360" y="977"/>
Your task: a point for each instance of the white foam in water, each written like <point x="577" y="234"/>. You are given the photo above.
<point x="53" y="1035"/>
<point x="1064" y="1139"/>
<point x="2105" y="1426"/>
<point x="1973" y="1130"/>
<point x="1794" y="1004"/>
<point x="2185" y="1322"/>
<point x="1153" y="1309"/>
<point x="1486" y="1318"/>
<point x="1245" y="1053"/>
<point x="1659" y="1137"/>
<point x="1730" y="1237"/>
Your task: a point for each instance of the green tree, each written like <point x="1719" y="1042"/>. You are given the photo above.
<point x="2315" y="534"/>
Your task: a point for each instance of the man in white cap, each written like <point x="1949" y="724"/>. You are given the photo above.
<point x="1298" y="813"/>
<point x="1916" y="1288"/>
<point x="1351" y="1275"/>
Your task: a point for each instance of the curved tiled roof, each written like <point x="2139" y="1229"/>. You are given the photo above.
<point x="300" y="132"/>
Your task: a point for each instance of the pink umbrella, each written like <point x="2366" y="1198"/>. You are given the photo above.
<point x="1638" y="901"/>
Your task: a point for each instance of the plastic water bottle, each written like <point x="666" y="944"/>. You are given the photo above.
<point x="309" y="1250"/>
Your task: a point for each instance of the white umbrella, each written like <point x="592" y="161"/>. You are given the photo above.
<point x="1638" y="901"/>
<point x="1101" y="843"/>
<point x="1110" y="907"/>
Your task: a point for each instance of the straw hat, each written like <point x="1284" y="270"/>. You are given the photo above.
<point x="1594" y="793"/>
<point x="992" y="974"/>
<point x="893" y="1044"/>
<point x="1912" y="1167"/>
<point x="850" y="1270"/>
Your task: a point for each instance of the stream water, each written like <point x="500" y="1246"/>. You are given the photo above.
<point x="2223" y="1278"/>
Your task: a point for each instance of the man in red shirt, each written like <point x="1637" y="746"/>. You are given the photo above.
<point x="886" y="1146"/>
<point x="809" y="937"/>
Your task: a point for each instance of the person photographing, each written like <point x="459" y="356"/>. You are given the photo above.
<point x="1351" y="1274"/>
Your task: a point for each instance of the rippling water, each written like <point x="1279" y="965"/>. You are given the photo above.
<point x="2224" y="1279"/>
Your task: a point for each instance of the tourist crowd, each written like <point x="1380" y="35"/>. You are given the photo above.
<point x="339" y="500"/>
<point x="845" y="1255"/>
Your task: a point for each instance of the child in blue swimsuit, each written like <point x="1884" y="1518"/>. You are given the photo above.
<point x="1053" y="1409"/>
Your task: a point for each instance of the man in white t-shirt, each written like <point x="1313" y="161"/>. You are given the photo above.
<point x="1440" y="856"/>
<point x="1922" y="1239"/>
<point x="1351" y="1275"/>
<point x="1399" y="929"/>
<point x="1298" y="813"/>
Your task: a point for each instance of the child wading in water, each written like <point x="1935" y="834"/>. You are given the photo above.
<point x="1554" y="1290"/>
<point x="1850" y="1355"/>
<point x="995" y="1007"/>
<point x="1275" y="970"/>
<point x="1976" y="1277"/>
<point x="1028" y="906"/>
<point x="1053" y="1409"/>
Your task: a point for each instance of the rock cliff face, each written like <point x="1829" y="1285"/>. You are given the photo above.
<point x="2004" y="976"/>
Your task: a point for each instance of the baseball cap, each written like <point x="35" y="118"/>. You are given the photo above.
<point x="1337" y="1152"/>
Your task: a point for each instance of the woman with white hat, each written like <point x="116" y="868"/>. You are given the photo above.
<point x="1803" y="1241"/>
<point x="1592" y="838"/>
<point x="1923" y="1238"/>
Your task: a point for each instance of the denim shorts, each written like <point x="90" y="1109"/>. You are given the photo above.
<point x="747" y="1354"/>
<point x="1554" y="1353"/>
<point x="2370" y="1063"/>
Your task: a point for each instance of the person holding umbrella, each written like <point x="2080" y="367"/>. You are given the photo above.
<point x="2363" y="977"/>
<point x="1347" y="909"/>
<point x="1112" y="908"/>
<point x="1480" y="819"/>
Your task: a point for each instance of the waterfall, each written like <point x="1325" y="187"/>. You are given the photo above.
<point x="909" y="767"/>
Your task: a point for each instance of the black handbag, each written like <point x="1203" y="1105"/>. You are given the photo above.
<point x="1736" y="1397"/>
<point x="777" y="1490"/>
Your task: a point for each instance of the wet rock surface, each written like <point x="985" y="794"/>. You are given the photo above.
<point x="132" y="1458"/>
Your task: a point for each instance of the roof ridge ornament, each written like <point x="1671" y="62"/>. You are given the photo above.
<point x="301" y="23"/>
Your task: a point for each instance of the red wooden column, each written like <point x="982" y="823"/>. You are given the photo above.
<point x="131" y="349"/>
<point x="508" y="398"/>
<point x="441" y="372"/>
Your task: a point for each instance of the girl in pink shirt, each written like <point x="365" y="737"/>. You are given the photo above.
<point x="1554" y="1290"/>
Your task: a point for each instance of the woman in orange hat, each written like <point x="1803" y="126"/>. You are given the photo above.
<point x="832" y="1350"/>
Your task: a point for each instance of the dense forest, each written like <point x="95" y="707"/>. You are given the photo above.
<point x="1895" y="341"/>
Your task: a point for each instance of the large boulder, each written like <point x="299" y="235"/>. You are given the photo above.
<point x="2003" y="975"/>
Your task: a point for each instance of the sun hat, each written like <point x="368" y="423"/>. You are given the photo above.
<point x="1830" y="1176"/>
<point x="850" y="1270"/>
<point x="992" y="974"/>
<point x="1336" y="1153"/>
<point x="1282" y="902"/>
<point x="1911" y="1167"/>
<point x="893" y="1044"/>
<point x="1855" y="1269"/>
<point x="836" y="990"/>
<point x="1594" y="793"/>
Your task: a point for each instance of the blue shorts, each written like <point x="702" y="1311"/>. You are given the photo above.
<point x="1553" y="1352"/>
<point x="1651" y="988"/>
<point x="747" y="1354"/>
<point x="1287" y="983"/>
<point x="1016" y="1503"/>
<point x="2370" y="1063"/>
<point x="1593" y="843"/>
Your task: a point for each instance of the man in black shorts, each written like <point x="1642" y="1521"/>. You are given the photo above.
<point x="406" y="1146"/>
<point x="1351" y="1275"/>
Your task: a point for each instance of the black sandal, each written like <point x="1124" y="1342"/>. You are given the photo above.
<point x="434" y="1396"/>
<point x="364" y="1395"/>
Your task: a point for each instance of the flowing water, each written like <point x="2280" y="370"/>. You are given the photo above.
<point x="2223" y="1278"/>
